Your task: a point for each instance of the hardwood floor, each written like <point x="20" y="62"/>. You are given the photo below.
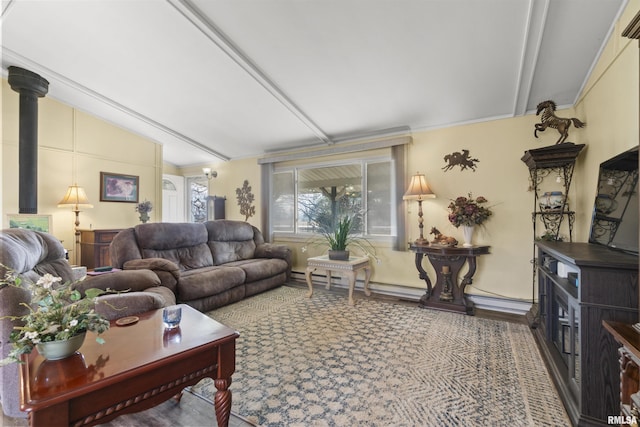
<point x="189" y="412"/>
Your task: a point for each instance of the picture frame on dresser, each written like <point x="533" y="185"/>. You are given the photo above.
<point x="116" y="187"/>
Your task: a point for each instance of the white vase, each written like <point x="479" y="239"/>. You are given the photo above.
<point x="467" y="234"/>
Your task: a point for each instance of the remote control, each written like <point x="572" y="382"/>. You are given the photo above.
<point x="100" y="269"/>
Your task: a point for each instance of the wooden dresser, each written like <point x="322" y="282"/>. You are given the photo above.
<point x="94" y="247"/>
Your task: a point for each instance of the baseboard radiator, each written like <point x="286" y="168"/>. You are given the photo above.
<point x="409" y="293"/>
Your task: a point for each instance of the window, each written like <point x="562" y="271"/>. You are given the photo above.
<point x="308" y="198"/>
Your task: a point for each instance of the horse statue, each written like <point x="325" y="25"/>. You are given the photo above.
<point x="461" y="159"/>
<point x="441" y="239"/>
<point x="549" y="119"/>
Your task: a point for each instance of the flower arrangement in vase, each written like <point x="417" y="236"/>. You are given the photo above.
<point x="57" y="313"/>
<point x="143" y="209"/>
<point x="468" y="212"/>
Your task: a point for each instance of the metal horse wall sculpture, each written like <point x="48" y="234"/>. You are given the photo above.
<point x="549" y="119"/>
<point x="462" y="159"/>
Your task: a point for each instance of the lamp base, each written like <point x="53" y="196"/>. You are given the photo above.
<point x="421" y="241"/>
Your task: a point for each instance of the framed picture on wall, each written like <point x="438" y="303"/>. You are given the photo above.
<point x="30" y="222"/>
<point x="115" y="187"/>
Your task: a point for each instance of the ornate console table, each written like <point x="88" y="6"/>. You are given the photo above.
<point x="447" y="262"/>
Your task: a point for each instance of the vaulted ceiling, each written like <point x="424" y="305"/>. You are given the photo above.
<point x="227" y="79"/>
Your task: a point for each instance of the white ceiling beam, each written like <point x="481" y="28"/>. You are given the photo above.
<point x="213" y="33"/>
<point x="536" y="21"/>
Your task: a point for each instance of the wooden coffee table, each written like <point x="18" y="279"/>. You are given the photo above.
<point x="139" y="366"/>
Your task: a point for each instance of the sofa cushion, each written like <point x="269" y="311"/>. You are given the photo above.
<point x="261" y="268"/>
<point x="230" y="240"/>
<point x="207" y="281"/>
<point x="226" y="230"/>
<point x="225" y="252"/>
<point x="183" y="243"/>
<point x="167" y="235"/>
<point x="186" y="258"/>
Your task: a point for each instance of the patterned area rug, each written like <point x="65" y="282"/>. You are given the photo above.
<point x="321" y="362"/>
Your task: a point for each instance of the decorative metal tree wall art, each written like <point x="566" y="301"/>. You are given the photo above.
<point x="462" y="159"/>
<point x="245" y="199"/>
<point x="549" y="119"/>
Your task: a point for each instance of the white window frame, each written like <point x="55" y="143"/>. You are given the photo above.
<point x="363" y="163"/>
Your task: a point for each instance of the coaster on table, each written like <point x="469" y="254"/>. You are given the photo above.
<point x="126" y="321"/>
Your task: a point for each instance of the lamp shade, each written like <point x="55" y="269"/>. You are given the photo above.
<point x="418" y="188"/>
<point x="75" y="197"/>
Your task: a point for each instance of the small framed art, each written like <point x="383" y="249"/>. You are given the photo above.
<point x="115" y="187"/>
<point x="30" y="222"/>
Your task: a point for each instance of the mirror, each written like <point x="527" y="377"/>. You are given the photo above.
<point x="615" y="211"/>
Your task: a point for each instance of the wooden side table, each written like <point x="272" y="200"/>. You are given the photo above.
<point x="349" y="268"/>
<point x="629" y="339"/>
<point x="447" y="262"/>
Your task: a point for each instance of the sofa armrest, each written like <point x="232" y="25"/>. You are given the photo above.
<point x="271" y="250"/>
<point x="159" y="264"/>
<point x="126" y="280"/>
<point x="167" y="271"/>
<point x="116" y="306"/>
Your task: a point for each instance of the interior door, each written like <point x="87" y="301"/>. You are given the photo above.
<point x="173" y="200"/>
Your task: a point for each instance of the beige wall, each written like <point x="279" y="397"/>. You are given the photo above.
<point x="74" y="148"/>
<point x="231" y="175"/>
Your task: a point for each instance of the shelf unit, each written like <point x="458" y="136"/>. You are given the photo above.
<point x="556" y="160"/>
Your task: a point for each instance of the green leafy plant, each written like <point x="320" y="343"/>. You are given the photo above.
<point x="57" y="312"/>
<point x="342" y="235"/>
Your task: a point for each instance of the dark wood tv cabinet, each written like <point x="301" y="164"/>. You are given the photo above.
<point x="581" y="355"/>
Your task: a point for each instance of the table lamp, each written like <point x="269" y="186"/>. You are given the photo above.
<point x="76" y="198"/>
<point x="419" y="190"/>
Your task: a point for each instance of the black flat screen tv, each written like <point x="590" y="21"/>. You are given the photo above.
<point x="615" y="211"/>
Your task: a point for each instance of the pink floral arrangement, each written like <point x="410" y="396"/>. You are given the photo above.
<point x="468" y="211"/>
